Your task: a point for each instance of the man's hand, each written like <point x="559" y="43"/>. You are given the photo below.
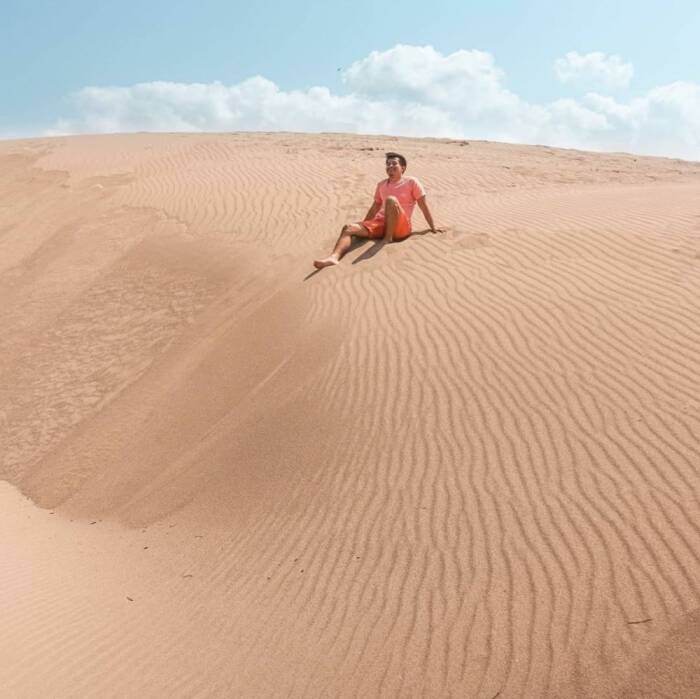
<point x="423" y="204"/>
<point x="373" y="210"/>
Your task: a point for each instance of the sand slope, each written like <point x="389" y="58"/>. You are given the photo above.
<point x="463" y="465"/>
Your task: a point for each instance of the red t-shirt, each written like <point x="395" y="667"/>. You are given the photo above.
<point x="408" y="190"/>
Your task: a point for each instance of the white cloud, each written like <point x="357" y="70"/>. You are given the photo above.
<point x="665" y="121"/>
<point x="596" y="68"/>
<point x="407" y="91"/>
<point x="422" y="74"/>
<point x="256" y="104"/>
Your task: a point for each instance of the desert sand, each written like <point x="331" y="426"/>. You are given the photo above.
<point x="462" y="465"/>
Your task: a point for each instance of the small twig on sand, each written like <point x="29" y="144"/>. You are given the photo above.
<point x="640" y="621"/>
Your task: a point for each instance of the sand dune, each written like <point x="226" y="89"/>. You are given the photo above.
<point x="463" y="465"/>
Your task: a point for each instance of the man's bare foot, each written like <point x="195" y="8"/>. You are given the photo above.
<point x="326" y="262"/>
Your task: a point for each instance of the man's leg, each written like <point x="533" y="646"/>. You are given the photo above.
<point x="343" y="244"/>
<point x="392" y="211"/>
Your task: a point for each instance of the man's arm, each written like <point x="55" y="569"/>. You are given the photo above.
<point x="428" y="216"/>
<point x="373" y="210"/>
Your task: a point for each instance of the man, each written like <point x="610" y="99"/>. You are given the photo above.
<point x="389" y="217"/>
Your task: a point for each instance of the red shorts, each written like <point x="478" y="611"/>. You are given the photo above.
<point x="375" y="226"/>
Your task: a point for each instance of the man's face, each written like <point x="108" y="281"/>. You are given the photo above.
<point x="393" y="167"/>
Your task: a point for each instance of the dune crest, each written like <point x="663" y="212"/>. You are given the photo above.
<point x="465" y="464"/>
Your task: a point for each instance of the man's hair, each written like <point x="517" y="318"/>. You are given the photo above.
<point x="402" y="160"/>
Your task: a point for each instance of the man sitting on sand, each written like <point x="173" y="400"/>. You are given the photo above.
<point x="389" y="217"/>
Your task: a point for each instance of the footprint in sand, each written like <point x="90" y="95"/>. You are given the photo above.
<point x="467" y="240"/>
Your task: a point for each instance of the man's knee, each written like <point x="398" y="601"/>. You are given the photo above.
<point x="392" y="203"/>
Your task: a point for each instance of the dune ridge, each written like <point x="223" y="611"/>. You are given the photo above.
<point x="463" y="465"/>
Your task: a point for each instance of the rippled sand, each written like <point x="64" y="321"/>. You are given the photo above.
<point x="462" y="465"/>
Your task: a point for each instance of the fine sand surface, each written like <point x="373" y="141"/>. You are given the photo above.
<point x="464" y="465"/>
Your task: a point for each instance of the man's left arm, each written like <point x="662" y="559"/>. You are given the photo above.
<point x="428" y="216"/>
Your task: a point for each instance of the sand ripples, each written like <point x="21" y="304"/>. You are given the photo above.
<point x="466" y="465"/>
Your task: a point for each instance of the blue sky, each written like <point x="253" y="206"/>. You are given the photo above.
<point x="50" y="51"/>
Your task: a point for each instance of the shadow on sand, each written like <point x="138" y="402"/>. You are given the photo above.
<point x="370" y="252"/>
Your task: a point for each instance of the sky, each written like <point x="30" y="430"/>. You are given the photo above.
<point x="595" y="74"/>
